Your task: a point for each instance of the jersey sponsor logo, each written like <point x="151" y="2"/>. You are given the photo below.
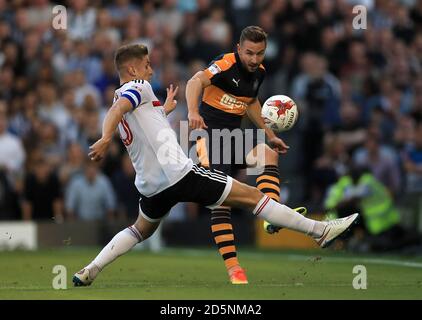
<point x="138" y="88"/>
<point x="282" y="107"/>
<point x="125" y="132"/>
<point x="232" y="103"/>
<point x="214" y="69"/>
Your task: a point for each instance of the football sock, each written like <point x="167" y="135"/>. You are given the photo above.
<point x="222" y="232"/>
<point x="280" y="215"/>
<point x="269" y="182"/>
<point x="120" y="244"/>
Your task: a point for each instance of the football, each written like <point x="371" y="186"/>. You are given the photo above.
<point x="280" y="113"/>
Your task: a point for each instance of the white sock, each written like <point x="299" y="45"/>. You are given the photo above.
<point x="282" y="216"/>
<point x="120" y="244"/>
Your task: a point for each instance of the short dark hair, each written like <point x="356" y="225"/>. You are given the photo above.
<point x="254" y="34"/>
<point x="127" y="52"/>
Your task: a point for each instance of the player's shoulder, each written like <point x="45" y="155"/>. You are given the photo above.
<point x="139" y="82"/>
<point x="136" y="84"/>
<point x="224" y="61"/>
<point x="221" y="63"/>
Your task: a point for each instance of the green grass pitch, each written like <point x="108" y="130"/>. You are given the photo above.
<point x="199" y="274"/>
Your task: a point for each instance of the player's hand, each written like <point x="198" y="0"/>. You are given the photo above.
<point x="98" y="149"/>
<point x="170" y="103"/>
<point x="279" y="145"/>
<point x="196" y="121"/>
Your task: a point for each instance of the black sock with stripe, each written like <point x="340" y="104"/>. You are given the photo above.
<point x="222" y="231"/>
<point x="269" y="182"/>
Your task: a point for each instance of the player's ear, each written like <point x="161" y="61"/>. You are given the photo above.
<point x="238" y="47"/>
<point x="131" y="70"/>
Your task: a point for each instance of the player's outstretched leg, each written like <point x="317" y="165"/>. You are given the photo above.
<point x="268" y="182"/>
<point x="122" y="242"/>
<point x="271" y="229"/>
<point x="244" y="196"/>
<point x="222" y="231"/>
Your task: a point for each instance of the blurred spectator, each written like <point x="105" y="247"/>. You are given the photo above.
<point x="319" y="89"/>
<point x="81" y="20"/>
<point x="12" y="155"/>
<point x="80" y="59"/>
<point x="382" y="162"/>
<point x="127" y="194"/>
<point x="73" y="164"/>
<point x="8" y="199"/>
<point x="412" y="161"/>
<point x="42" y="196"/>
<point x="218" y="28"/>
<point x="90" y="196"/>
<point x="332" y="164"/>
<point x="168" y="17"/>
<point x="39" y="14"/>
<point x="351" y="130"/>
<point x="120" y="10"/>
<point x="112" y="161"/>
<point x="84" y="89"/>
<point x="357" y="68"/>
<point x="318" y="92"/>
<point x="49" y="143"/>
<point x="416" y="111"/>
<point x="273" y="52"/>
<point x="51" y="107"/>
<point x="107" y="77"/>
<point x="89" y="124"/>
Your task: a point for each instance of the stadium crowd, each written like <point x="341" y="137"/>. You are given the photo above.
<point x="359" y="91"/>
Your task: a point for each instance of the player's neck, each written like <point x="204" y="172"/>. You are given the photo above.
<point x="125" y="79"/>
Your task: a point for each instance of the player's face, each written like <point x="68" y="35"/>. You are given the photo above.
<point x="251" y="54"/>
<point x="143" y="69"/>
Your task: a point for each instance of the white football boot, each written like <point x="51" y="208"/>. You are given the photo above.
<point x="82" y="278"/>
<point x="336" y="228"/>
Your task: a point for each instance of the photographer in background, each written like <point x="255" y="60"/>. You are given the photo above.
<point x="360" y="191"/>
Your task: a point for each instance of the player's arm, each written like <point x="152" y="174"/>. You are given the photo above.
<point x="194" y="89"/>
<point x="111" y="121"/>
<point x="254" y="114"/>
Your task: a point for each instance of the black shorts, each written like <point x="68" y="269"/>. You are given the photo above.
<point x="227" y="152"/>
<point x="207" y="187"/>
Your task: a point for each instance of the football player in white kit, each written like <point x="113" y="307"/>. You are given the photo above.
<point x="166" y="176"/>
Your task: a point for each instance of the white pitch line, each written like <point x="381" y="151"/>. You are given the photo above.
<point x="298" y="257"/>
<point x="409" y="264"/>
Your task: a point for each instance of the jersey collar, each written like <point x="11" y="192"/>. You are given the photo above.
<point x="242" y="69"/>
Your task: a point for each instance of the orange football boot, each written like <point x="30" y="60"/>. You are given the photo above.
<point x="238" y="277"/>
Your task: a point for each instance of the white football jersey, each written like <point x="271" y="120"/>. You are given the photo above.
<point x="156" y="155"/>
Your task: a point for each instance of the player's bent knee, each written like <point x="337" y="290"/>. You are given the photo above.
<point x="243" y="196"/>
<point x="145" y="228"/>
<point x="271" y="157"/>
<point x="252" y="197"/>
